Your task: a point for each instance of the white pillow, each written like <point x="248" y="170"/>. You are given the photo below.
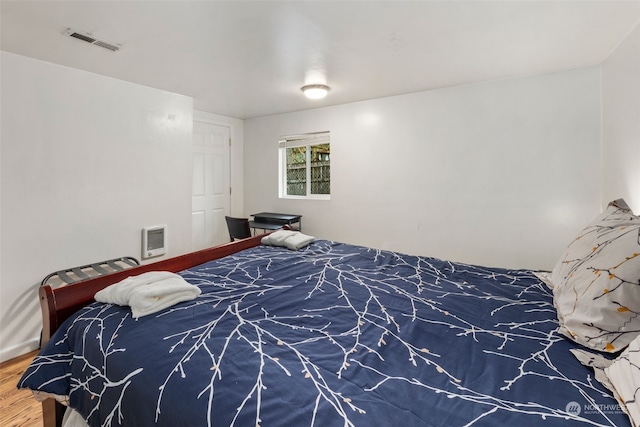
<point x="596" y="282"/>
<point x="624" y="377"/>
<point x="621" y="376"/>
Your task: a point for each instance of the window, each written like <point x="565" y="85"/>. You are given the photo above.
<point x="305" y="166"/>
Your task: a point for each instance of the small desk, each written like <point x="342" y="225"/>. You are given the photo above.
<point x="275" y="221"/>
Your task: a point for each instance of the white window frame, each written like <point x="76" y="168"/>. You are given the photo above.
<point x="302" y="140"/>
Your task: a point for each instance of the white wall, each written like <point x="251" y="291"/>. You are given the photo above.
<point x="621" y="122"/>
<point x="500" y="173"/>
<point x="87" y="161"/>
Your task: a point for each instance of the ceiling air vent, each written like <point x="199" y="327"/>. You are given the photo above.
<point x="89" y="38"/>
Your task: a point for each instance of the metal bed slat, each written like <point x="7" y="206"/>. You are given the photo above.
<point x="98" y="268"/>
<point x="129" y="260"/>
<point x="78" y="272"/>
<point x="64" y="277"/>
<point x="84" y="272"/>
<point x="112" y="263"/>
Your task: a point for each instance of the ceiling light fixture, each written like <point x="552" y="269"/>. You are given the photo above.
<point x="315" y="91"/>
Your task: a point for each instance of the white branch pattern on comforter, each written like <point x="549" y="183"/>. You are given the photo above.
<point x="332" y="335"/>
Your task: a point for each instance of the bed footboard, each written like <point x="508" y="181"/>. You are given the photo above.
<point x="59" y="304"/>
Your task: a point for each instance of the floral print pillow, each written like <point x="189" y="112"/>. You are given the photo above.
<point x="596" y="282"/>
<point x="624" y="377"/>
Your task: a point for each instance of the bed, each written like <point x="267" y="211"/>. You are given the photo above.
<point x="331" y="334"/>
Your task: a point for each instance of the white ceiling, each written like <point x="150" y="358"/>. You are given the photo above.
<point x="249" y="58"/>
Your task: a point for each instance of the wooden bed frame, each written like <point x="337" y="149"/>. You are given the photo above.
<point x="60" y="303"/>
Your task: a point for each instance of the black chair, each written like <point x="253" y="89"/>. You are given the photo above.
<point x="238" y="228"/>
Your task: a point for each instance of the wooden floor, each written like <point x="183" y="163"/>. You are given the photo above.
<point x="18" y="408"/>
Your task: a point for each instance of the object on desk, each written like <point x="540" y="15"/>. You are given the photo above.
<point x="275" y="221"/>
<point x="238" y="227"/>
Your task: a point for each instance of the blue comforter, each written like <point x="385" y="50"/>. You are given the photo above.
<point x="331" y="335"/>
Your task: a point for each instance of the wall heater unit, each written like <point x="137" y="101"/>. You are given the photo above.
<point x="153" y="241"/>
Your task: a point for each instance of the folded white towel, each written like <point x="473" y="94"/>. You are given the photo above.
<point x="149" y="292"/>
<point x="277" y="238"/>
<point x="120" y="293"/>
<point x="293" y="240"/>
<point x="298" y="241"/>
<point x="160" y="295"/>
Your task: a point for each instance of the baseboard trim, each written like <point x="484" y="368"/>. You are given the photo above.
<point x="19" y="350"/>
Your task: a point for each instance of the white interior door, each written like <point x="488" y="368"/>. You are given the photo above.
<point x="210" y="200"/>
